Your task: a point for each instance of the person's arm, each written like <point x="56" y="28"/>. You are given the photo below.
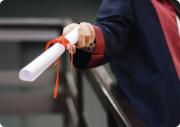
<point x="114" y="20"/>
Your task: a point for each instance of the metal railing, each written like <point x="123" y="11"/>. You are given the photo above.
<point x="119" y="110"/>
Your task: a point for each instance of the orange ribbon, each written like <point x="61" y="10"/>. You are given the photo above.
<point x="62" y="40"/>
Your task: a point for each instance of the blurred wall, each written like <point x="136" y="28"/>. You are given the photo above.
<point x="78" y="10"/>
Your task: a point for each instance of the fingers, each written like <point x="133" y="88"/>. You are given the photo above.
<point x="73" y="49"/>
<point x="92" y="32"/>
<point x="81" y="36"/>
<point x="86" y="35"/>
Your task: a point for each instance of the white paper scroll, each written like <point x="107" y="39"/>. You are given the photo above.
<point x="41" y="63"/>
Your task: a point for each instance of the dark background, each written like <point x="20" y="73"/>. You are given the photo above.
<point x="78" y="10"/>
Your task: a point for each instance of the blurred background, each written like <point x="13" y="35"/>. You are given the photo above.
<point x="16" y="53"/>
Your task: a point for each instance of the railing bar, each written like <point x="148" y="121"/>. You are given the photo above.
<point x="71" y="84"/>
<point x="72" y="111"/>
<point x="86" y="120"/>
<point x="128" y="124"/>
<point x="80" y="98"/>
<point x="104" y="100"/>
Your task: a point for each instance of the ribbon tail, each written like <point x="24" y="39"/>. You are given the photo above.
<point x="64" y="42"/>
<point x="57" y="80"/>
<point x="71" y="58"/>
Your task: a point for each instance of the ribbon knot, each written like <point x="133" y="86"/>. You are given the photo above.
<point x="62" y="40"/>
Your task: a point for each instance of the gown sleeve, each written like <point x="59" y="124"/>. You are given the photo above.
<point x="111" y="31"/>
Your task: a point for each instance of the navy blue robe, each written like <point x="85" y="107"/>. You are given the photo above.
<point x="141" y="41"/>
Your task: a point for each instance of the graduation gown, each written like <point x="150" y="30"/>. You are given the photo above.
<point x="140" y="39"/>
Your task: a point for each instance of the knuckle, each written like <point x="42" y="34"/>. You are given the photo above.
<point x="80" y="44"/>
<point x="92" y="31"/>
<point x="87" y="45"/>
<point x="88" y="36"/>
<point x="81" y="35"/>
<point x="88" y="24"/>
<point x="80" y="28"/>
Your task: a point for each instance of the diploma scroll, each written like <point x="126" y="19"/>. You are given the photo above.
<point x="34" y="69"/>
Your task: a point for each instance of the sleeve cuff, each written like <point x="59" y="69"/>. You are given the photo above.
<point x="83" y="60"/>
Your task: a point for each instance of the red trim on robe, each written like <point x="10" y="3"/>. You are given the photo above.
<point x="99" y="50"/>
<point x="167" y="17"/>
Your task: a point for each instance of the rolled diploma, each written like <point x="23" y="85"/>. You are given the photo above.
<point x="34" y="69"/>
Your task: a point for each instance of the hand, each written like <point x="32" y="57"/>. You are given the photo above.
<point x="86" y="35"/>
